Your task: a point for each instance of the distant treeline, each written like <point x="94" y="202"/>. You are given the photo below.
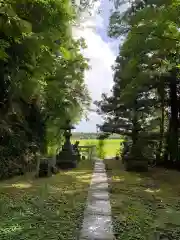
<point x="91" y="135"/>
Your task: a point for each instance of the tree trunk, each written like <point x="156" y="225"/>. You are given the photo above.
<point x="135" y="131"/>
<point x="173" y="122"/>
<point x="161" y="92"/>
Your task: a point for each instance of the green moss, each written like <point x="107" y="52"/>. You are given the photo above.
<point x="50" y="208"/>
<point x="144" y="205"/>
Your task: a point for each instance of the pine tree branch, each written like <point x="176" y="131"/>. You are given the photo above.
<point x="160" y="37"/>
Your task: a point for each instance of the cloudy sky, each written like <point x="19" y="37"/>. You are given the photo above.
<point x="101" y="51"/>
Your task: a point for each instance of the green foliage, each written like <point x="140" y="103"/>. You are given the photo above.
<point x="100" y="150"/>
<point x="146" y="78"/>
<point x="42" y="77"/>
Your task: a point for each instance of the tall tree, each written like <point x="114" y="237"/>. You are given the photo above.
<point x="149" y="61"/>
<point x="42" y="76"/>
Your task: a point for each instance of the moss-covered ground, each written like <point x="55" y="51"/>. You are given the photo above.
<point x="144" y="206"/>
<point x="47" y="208"/>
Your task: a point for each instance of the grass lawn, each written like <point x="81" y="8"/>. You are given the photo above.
<point x="110" y="145"/>
<point x="49" y="208"/>
<point x="144" y="206"/>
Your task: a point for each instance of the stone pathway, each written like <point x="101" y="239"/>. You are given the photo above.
<point x="97" y="224"/>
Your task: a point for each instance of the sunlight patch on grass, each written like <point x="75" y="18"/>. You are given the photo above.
<point x="152" y="190"/>
<point x="138" y="179"/>
<point x="118" y="179"/>
<point x="22" y="185"/>
<point x="51" y="208"/>
<point x="13" y="228"/>
<point x="144" y="204"/>
<point x="86" y="177"/>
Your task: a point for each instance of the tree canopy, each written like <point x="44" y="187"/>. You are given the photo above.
<point x="145" y="96"/>
<point x="41" y="76"/>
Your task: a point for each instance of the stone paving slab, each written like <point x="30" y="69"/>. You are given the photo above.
<point x="101" y="195"/>
<point x="97" y="224"/>
<point x="97" y="207"/>
<point x="97" y="227"/>
<point x="103" y="186"/>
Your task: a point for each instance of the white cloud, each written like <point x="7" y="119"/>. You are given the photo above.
<point x="101" y="54"/>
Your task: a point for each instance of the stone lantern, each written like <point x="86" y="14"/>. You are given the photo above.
<point x="67" y="157"/>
